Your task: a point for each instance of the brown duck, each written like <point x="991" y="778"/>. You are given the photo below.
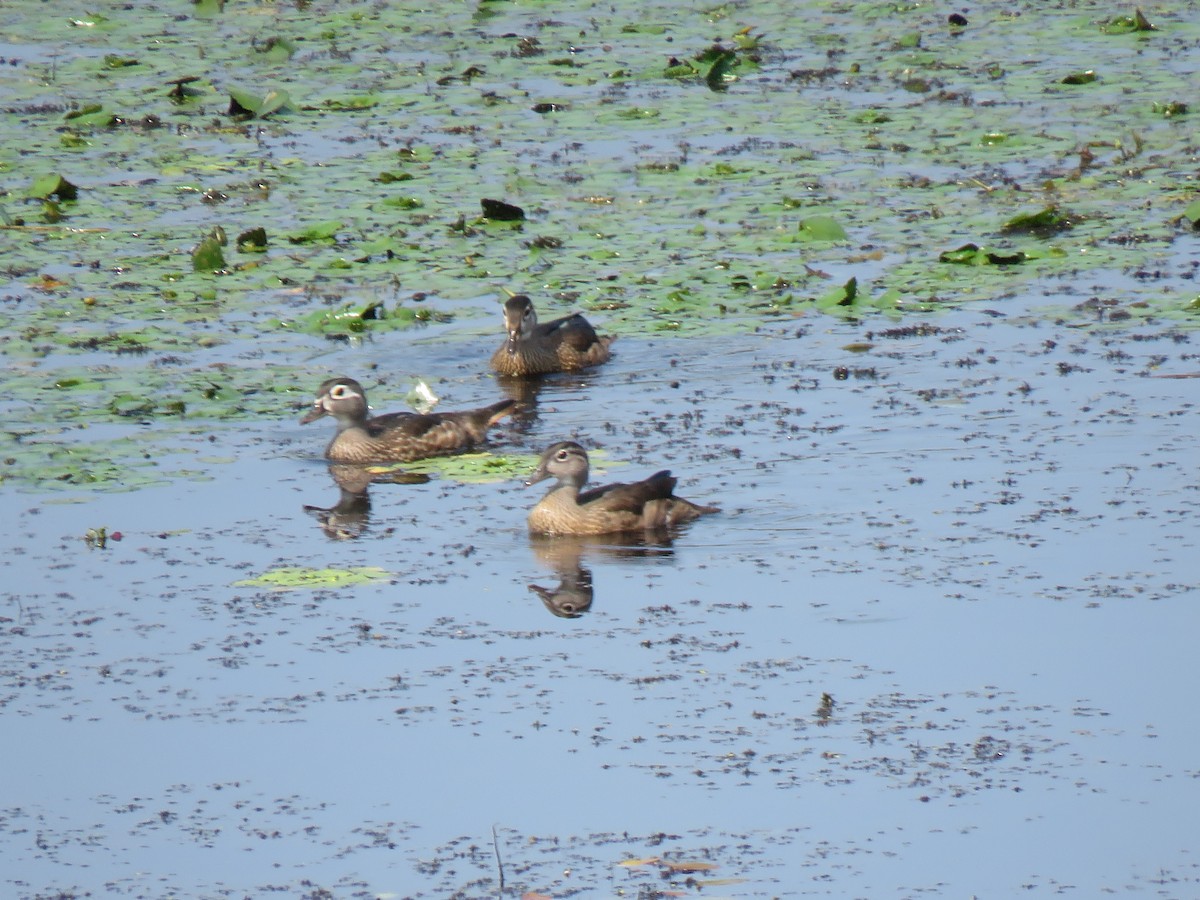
<point x="641" y="506"/>
<point x="533" y="348"/>
<point x="396" y="437"/>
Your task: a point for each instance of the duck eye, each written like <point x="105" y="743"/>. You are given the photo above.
<point x="340" y="392"/>
<point x="561" y="455"/>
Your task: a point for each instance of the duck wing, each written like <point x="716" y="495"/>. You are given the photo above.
<point x="575" y="331"/>
<point x="448" y="429"/>
<point x="631" y="497"/>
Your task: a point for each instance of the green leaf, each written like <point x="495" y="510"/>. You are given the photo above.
<point x="974" y="255"/>
<point x="350" y="104"/>
<point x="637" y="113"/>
<point x="252" y="241"/>
<point x="1086" y="77"/>
<point x="720" y="74"/>
<point x="1046" y="221"/>
<point x="277" y="49"/>
<point x="1192" y="213"/>
<point x="322" y="231"/>
<point x="403" y="202"/>
<point x="244" y="105"/>
<point x="54" y="185"/>
<point x="89" y="116"/>
<point x="273" y="102"/>
<point x="821" y="229"/>
<point x="681" y="70"/>
<point x="353" y="319"/>
<point x="207" y="9"/>
<point x="207" y="255"/>
<point x="845" y="295"/>
<point x="1127" y="24"/>
<point x="292" y="577"/>
<point x="476" y="468"/>
<point x="1170" y="110"/>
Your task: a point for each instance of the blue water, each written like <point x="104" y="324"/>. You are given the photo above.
<point x="996" y="589"/>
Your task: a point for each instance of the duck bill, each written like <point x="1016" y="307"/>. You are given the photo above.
<point x="511" y="346"/>
<point x="539" y="474"/>
<point x="313" y="414"/>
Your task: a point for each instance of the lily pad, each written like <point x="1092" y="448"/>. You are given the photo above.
<point x="1085" y="77"/>
<point x="501" y="211"/>
<point x="353" y="319"/>
<point x="207" y="256"/>
<point x="1127" y="24"/>
<point x="288" y="578"/>
<point x="821" y="228"/>
<point x="720" y="73"/>
<point x="974" y="255"/>
<point x="1046" y="221"/>
<point x="322" y="231"/>
<point x="1192" y="213"/>
<point x="245" y="105"/>
<point x="476" y="468"/>
<point x="53" y="185"/>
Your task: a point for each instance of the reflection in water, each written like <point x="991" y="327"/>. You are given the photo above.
<point x="573" y="596"/>
<point x="526" y="390"/>
<point x="564" y="554"/>
<point x="348" y="518"/>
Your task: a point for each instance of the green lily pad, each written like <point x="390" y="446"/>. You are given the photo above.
<point x="974" y="255"/>
<point x="322" y="231"/>
<point x="53" y="185"/>
<point x="350" y="104"/>
<point x="843" y="295"/>
<point x="1192" y="213"/>
<point x="245" y="105"/>
<point x="91" y="116"/>
<point x="252" y="241"/>
<point x="207" y="256"/>
<point x="720" y="73"/>
<point x="1085" y="77"/>
<point x="1171" y="110"/>
<point x="353" y="319"/>
<point x="1046" y="221"/>
<point x="293" y="577"/>
<point x="277" y="49"/>
<point x="821" y="228"/>
<point x="1127" y="24"/>
<point x="475" y="468"/>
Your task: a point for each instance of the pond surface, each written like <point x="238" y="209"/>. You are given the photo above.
<point x="989" y="568"/>
<point x="939" y="641"/>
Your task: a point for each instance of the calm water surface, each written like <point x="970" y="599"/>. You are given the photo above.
<point x="989" y="567"/>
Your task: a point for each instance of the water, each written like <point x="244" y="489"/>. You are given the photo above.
<point x="994" y="585"/>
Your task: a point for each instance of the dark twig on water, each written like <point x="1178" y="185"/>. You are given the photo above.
<point x="499" y="861"/>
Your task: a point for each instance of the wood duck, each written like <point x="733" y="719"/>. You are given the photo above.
<point x="563" y="345"/>
<point x="647" y="505"/>
<point x="396" y="437"/>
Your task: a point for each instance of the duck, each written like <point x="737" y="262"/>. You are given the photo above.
<point x="647" y="505"/>
<point x="400" y="436"/>
<point x="538" y="348"/>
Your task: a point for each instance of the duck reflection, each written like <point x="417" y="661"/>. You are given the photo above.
<point x="349" y="517"/>
<point x="525" y="389"/>
<point x="573" y="596"/>
<point x="564" y="555"/>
